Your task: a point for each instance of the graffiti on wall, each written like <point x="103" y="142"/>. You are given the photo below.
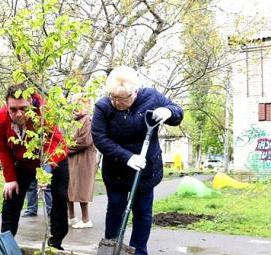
<point x="257" y="142"/>
<point x="264" y="147"/>
<point x="248" y="136"/>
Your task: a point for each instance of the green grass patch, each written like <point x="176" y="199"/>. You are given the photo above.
<point x="239" y="212"/>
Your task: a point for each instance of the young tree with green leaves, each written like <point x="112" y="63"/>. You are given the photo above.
<point x="38" y="107"/>
<point x="205" y="121"/>
<point x="40" y="36"/>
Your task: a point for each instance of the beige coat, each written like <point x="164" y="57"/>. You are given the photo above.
<point x="82" y="164"/>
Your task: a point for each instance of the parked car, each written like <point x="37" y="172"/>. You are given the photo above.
<point x="213" y="161"/>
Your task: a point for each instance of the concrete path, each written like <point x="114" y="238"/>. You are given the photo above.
<point x="162" y="241"/>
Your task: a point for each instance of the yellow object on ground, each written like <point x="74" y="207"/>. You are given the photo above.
<point x="222" y="180"/>
<point x="178" y="161"/>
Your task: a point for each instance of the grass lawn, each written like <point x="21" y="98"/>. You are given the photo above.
<point x="240" y="212"/>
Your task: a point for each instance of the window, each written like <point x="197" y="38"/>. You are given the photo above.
<point x="264" y="112"/>
<point x="168" y="145"/>
<point x="254" y="66"/>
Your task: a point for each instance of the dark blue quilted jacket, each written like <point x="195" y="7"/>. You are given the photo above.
<point x="120" y="134"/>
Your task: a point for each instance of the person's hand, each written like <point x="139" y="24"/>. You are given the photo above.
<point x="9" y="187"/>
<point x="47" y="168"/>
<point x="161" y="114"/>
<point x="137" y="162"/>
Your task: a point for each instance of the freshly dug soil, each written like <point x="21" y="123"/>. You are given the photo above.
<point x="178" y="219"/>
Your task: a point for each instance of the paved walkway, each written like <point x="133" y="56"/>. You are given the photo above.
<point x="162" y="241"/>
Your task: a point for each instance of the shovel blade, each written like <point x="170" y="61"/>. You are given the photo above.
<point x="106" y="247"/>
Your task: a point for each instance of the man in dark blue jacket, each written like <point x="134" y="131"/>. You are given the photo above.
<point x="118" y="131"/>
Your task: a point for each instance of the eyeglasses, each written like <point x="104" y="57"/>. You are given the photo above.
<point x="123" y="99"/>
<point x="16" y="109"/>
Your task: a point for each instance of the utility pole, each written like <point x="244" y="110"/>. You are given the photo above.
<point x="227" y="123"/>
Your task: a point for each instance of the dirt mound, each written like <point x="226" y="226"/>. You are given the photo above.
<point x="178" y="219"/>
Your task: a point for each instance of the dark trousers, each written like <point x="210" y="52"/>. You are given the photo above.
<point x="59" y="218"/>
<point x="142" y="217"/>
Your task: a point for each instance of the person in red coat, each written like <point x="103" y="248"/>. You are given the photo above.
<point x="19" y="172"/>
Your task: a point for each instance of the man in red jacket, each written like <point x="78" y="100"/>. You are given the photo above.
<point x="19" y="172"/>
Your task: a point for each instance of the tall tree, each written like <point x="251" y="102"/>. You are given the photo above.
<point x="206" y="100"/>
<point x="146" y="34"/>
<point x="174" y="44"/>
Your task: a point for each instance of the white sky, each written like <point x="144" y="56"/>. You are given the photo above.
<point x="248" y="8"/>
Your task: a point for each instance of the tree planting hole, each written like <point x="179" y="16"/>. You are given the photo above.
<point x="178" y="219"/>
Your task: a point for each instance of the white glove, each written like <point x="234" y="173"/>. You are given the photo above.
<point x="137" y="162"/>
<point x="161" y="114"/>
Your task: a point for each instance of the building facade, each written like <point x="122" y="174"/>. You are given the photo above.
<point x="251" y="83"/>
<point x="177" y="152"/>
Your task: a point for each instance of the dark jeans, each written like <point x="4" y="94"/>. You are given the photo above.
<point x="142" y="217"/>
<point x="59" y="217"/>
<point x="32" y="198"/>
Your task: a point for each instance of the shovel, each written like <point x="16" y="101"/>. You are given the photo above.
<point x="116" y="247"/>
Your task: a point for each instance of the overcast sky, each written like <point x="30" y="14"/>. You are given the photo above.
<point x="248" y="8"/>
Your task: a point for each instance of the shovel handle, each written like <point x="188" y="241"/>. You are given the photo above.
<point x="151" y="125"/>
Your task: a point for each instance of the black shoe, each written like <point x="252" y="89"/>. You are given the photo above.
<point x="54" y="245"/>
<point x="29" y="214"/>
<point x="58" y="247"/>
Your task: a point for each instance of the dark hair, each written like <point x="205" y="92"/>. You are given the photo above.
<point x="13" y="89"/>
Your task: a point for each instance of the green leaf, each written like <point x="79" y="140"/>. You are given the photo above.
<point x="14" y="140"/>
<point x="2" y="31"/>
<point x="43" y="177"/>
<point x="18" y="93"/>
<point x="61" y="22"/>
<point x="28" y="92"/>
<point x="18" y="76"/>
